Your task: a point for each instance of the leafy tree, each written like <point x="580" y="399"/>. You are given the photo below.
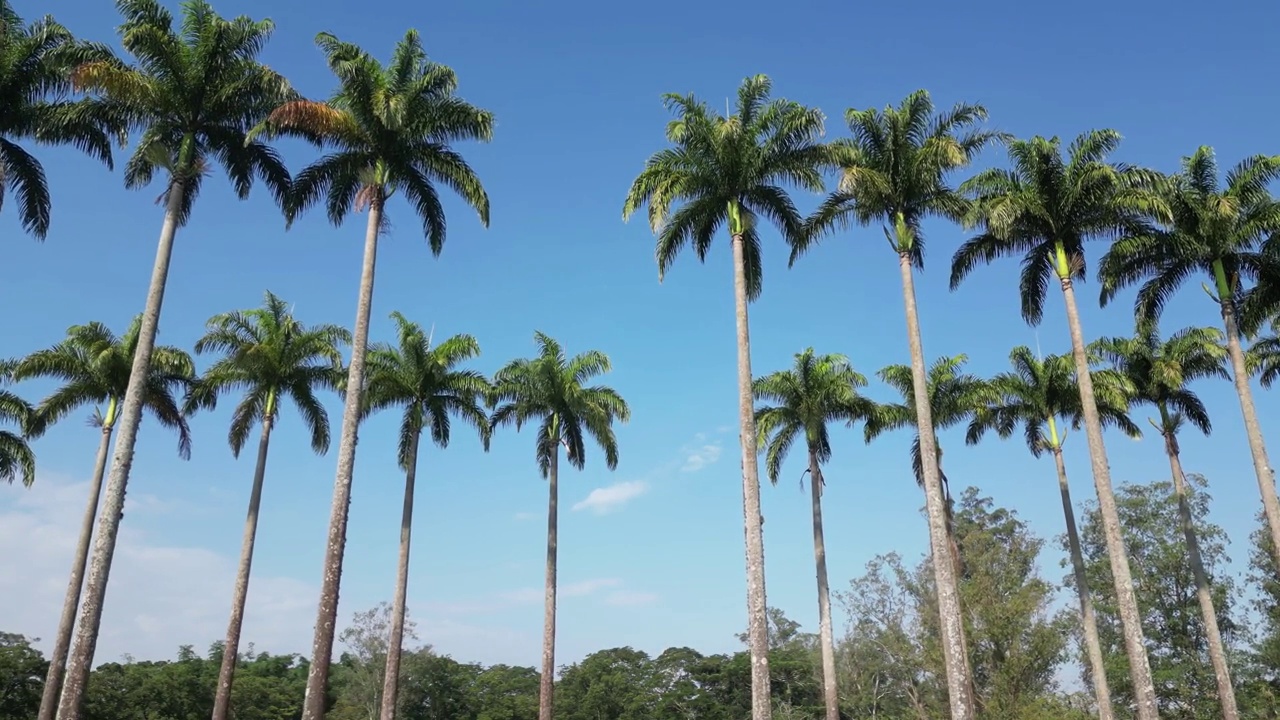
<point x="816" y="391"/>
<point x="1037" y="395"/>
<point x="613" y="684"/>
<point x="93" y="366"/>
<point x="388" y="128"/>
<point x="437" y="687"/>
<point x="268" y="355"/>
<point x="22" y="668"/>
<point x="426" y="382"/>
<point x="1178" y="647"/>
<point x="1261" y="690"/>
<point x="505" y="692"/>
<point x="36" y="60"/>
<point x="893" y="172"/>
<point x="551" y="390"/>
<point x="732" y="171"/>
<point x="1159" y="371"/>
<point x="196" y="90"/>
<point x="1044" y="209"/>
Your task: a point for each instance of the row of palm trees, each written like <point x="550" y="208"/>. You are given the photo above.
<point x="197" y="95"/>
<point x="267" y="357"/>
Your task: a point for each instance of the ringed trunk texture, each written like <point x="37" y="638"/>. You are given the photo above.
<point x="395" y="643"/>
<point x="1257" y="448"/>
<point x="231" y="647"/>
<point x="753" y="520"/>
<point x="313" y="704"/>
<point x="81" y="660"/>
<point x="1144" y="693"/>
<point x="547" y="680"/>
<point x="1217" y="652"/>
<point x="830" y="692"/>
<point x="1092" y="646"/>
<point x="951" y="626"/>
<point x="67" y="621"/>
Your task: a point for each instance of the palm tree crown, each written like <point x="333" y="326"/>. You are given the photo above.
<point x="193" y="104"/>
<point x="268" y="355"/>
<point x="1037" y="393"/>
<point x="819" y="389"/>
<point x="954" y="396"/>
<point x="551" y="389"/>
<point x="1045" y="207"/>
<point x="729" y="171"/>
<point x="16" y="458"/>
<point x="93" y="365"/>
<point x="390" y="128"/>
<point x="36" y="60"/>
<point x="1159" y="371"/>
<point x="893" y="170"/>
<point x="1213" y="229"/>
<point x="427" y="383"/>
<point x="1264" y="357"/>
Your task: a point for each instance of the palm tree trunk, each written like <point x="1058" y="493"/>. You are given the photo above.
<point x="1257" y="448"/>
<point x="953" y="543"/>
<point x="547" y="681"/>
<point x="1092" y="645"/>
<point x="753" y="520"/>
<point x="1144" y="693"/>
<point x="81" y="661"/>
<point x="391" y="677"/>
<point x="231" y="646"/>
<point x="830" y="693"/>
<point x="313" y="704"/>
<point x="67" y="622"/>
<point x="952" y="619"/>
<point x="1213" y="636"/>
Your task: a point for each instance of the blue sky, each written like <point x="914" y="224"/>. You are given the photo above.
<point x="576" y="89"/>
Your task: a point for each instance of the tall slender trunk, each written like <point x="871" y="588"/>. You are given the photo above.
<point x="959" y="692"/>
<point x="67" y="621"/>
<point x="231" y="646"/>
<point x="391" y="677"/>
<point x="830" y="693"/>
<point x="313" y="704"/>
<point x="1257" y="448"/>
<point x="1144" y="693"/>
<point x="1092" y="645"/>
<point x="81" y="660"/>
<point x="953" y="542"/>
<point x="753" y="520"/>
<point x="1213" y="636"/>
<point x="547" y="681"/>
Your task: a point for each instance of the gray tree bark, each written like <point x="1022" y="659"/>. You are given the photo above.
<point x="830" y="691"/>
<point x="547" y="680"/>
<point x="395" y="643"/>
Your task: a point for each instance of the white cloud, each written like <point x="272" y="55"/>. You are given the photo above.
<point x="702" y="456"/>
<point x="587" y="587"/>
<point x="630" y="598"/>
<point x="607" y="499"/>
<point x="522" y="516"/>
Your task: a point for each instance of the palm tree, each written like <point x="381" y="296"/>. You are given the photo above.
<point x="819" y="389"/>
<point x="1159" y="371"/>
<point x="1217" y="231"/>
<point x="1044" y="209"/>
<point x="269" y="356"/>
<point x="196" y="90"/>
<point x="93" y="365"/>
<point x="1038" y="394"/>
<point x="1263" y="358"/>
<point x="731" y="171"/>
<point x="16" y="458"/>
<point x="36" y="60"/>
<point x="426" y="383"/>
<point x="551" y="390"/>
<point x="390" y="128"/>
<point x="893" y="172"/>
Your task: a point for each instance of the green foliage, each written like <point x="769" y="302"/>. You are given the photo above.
<point x="729" y="171"/>
<point x="36" y="61"/>
<point x="22" y="671"/>
<point x="93" y="365"/>
<point x="192" y="107"/>
<point x="268" y="355"/>
<point x="1166" y="597"/>
<point x="389" y="129"/>
<point x="17" y="460"/>
<point x="816" y="391"/>
<point x="551" y="389"/>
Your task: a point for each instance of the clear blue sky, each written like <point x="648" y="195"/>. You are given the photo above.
<point x="576" y="89"/>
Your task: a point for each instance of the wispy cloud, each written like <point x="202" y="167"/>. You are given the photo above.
<point x="522" y="516"/>
<point x="588" y="587"/>
<point x="630" y="598"/>
<point x="701" y="456"/>
<point x="607" y="499"/>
